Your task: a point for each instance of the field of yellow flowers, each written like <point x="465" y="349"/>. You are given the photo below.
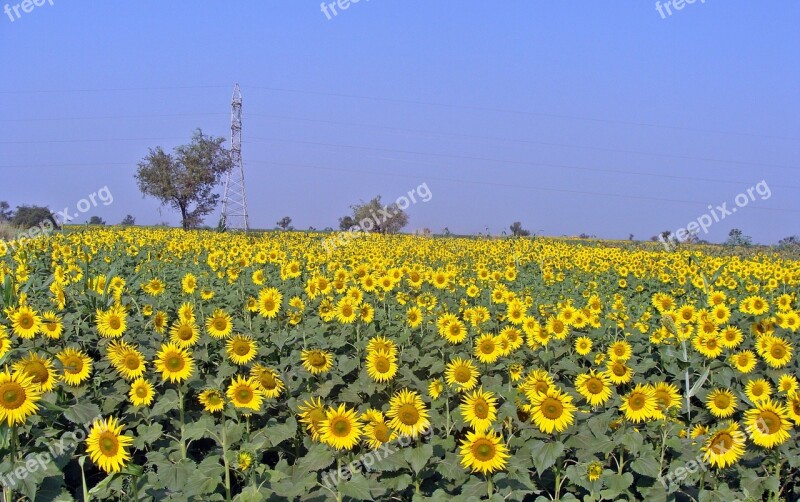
<point x="155" y="364"/>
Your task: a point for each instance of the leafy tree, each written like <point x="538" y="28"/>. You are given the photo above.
<point x="285" y="223"/>
<point x="518" y="231"/>
<point x="186" y="178"/>
<point x="128" y="221"/>
<point x="737" y="238"/>
<point x="373" y="216"/>
<point x="31" y="216"/>
<point x="5" y="211"/>
<point x="346" y="223"/>
<point x="792" y="241"/>
<point x="96" y="220"/>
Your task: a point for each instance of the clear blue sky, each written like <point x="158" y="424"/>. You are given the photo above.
<point x="598" y="117"/>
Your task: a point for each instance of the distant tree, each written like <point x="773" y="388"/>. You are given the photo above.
<point x="96" y="220"/>
<point x="346" y="223"/>
<point x="327" y="229"/>
<point x="446" y="231"/>
<point x="665" y="235"/>
<point x="31" y="216"/>
<point x="630" y="237"/>
<point x="128" y="221"/>
<point x="518" y="231"/>
<point x="186" y="178"/>
<point x="284" y="223"/>
<point x="5" y="211"/>
<point x="373" y="216"/>
<point x="737" y="238"/>
<point x="792" y="241"/>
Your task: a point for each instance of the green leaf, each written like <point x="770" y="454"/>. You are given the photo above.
<point x="418" y="457"/>
<point x="546" y="454"/>
<point x="699" y="384"/>
<point x="318" y="457"/>
<point x="616" y="484"/>
<point x="82" y="413"/>
<point x="647" y="465"/>
<point x="357" y="487"/>
<point x="282" y="432"/>
<point x="146" y="435"/>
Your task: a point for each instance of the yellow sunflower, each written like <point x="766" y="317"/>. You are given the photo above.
<point x="106" y="445"/>
<point x="721" y="403"/>
<point x="312" y="413"/>
<point x="594" y="387"/>
<point x="269" y="381"/>
<point x="479" y="409"/>
<point x="18" y="397"/>
<point x="787" y="384"/>
<point x="174" y="363"/>
<point x="486" y="349"/>
<point x="483" y="452"/>
<point x="381" y="366"/>
<point x="778" y="352"/>
<point x="184" y="333"/>
<point x="241" y="349"/>
<point x="219" y="324"/>
<point x="141" y="393"/>
<point x="25" y="322"/>
<point x="377" y="432"/>
<point x="77" y="366"/>
<point x="52" y="326"/>
<point x="212" y="400"/>
<point x="269" y="302"/>
<point x="552" y="410"/>
<point x="620" y="351"/>
<point x="583" y="345"/>
<point x="408" y="413"/>
<point x="725" y="446"/>
<point x="127" y="360"/>
<point x="245" y="393"/>
<point x="341" y="428"/>
<point x="461" y="373"/>
<point x="768" y="424"/>
<point x="112" y="323"/>
<point x="435" y="388"/>
<point x="639" y="404"/>
<point x="317" y="361"/>
<point x="618" y="372"/>
<point x="744" y="361"/>
<point x="758" y="390"/>
<point x="39" y="369"/>
<point x="667" y="397"/>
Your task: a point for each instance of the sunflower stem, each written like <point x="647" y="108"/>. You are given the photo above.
<point x="490" y="483"/>
<point x="183" y="423"/>
<point x="225" y="460"/>
<point x="338" y="478"/>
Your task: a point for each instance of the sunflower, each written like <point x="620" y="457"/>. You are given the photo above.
<point x="381" y="366"/>
<point x="455" y="332"/>
<point x="184" y="333"/>
<point x="513" y="336"/>
<point x="39" y="369"/>
<point x="583" y="345"/>
<point x="186" y="312"/>
<point x="112" y="323"/>
<point x="76" y="366"/>
<point x="725" y="446"/>
<point x="141" y="393"/>
<point x="461" y="373"/>
<point x="25" y="322"/>
<point x="667" y="397"/>
<point x="721" y="403"/>
<point x="241" y="349"/>
<point x="269" y="302"/>
<point x="5" y="343"/>
<point x="269" y="381"/>
<point x="640" y="404"/>
<point x="312" y="413"/>
<point x="758" y="390"/>
<point x="244" y="460"/>
<point x="787" y="384"/>
<point x="107" y="446"/>
<point x="377" y="432"/>
<point x="486" y="349"/>
<point x="552" y="410"/>
<point x="219" y="325"/>
<point x="341" y="428"/>
<point x="212" y="400"/>
<point x="51" y="326"/>
<point x="435" y="388"/>
<point x="127" y="360"/>
<point x="731" y="337"/>
<point x="483" y="452"/>
<point x="515" y="372"/>
<point x="174" y="363"/>
<point x="768" y="424"/>
<point x="744" y="361"/>
<point x="537" y="381"/>
<point x="793" y="407"/>
<point x="408" y="413"/>
<point x="620" y="351"/>
<point x="381" y="343"/>
<point x="316" y="361"/>
<point x="619" y="372"/>
<point x="414" y="317"/>
<point x="160" y="322"/>
<point x="594" y="470"/>
<point x="245" y="393"/>
<point x="594" y="387"/>
<point x="18" y="397"/>
<point x="778" y="352"/>
<point x="479" y="409"/>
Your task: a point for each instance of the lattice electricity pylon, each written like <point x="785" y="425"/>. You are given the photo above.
<point x="234" y="203"/>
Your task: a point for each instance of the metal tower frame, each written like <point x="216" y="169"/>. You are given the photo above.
<point x="234" y="203"/>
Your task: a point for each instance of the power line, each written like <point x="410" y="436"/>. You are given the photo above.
<point x="114" y="89"/>
<point x="114" y="117"/>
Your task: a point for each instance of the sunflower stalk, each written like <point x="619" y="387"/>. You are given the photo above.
<point x="183" y="422"/>
<point x="225" y="463"/>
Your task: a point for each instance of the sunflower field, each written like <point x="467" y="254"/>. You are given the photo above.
<point x="157" y="364"/>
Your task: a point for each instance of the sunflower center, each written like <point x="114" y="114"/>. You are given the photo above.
<point x="13" y="396"/>
<point x="408" y="414"/>
<point x="73" y="365"/>
<point x="487" y="346"/>
<point x="244" y="395"/>
<point x="175" y="362"/>
<point x="141" y="391"/>
<point x="722" y="401"/>
<point x="316" y="359"/>
<point x="267" y="381"/>
<point x="382" y="364"/>
<point x="108" y="444"/>
<point x="743" y="360"/>
<point x="619" y="351"/>
<point x="618" y="369"/>
<point x="241" y="348"/>
<point x="347" y="311"/>
<point x="462" y="374"/>
<point x="541" y="386"/>
<point x="481" y="409"/>
<point x="185" y="333"/>
<point x="594" y="385"/>
<point x="552" y="408"/>
<point x="768" y="422"/>
<point x="483" y="450"/>
<point x="26" y="321"/>
<point x="114" y="322"/>
<point x="340" y="427"/>
<point x="381" y="433"/>
<point x="220" y="324"/>
<point x="636" y="401"/>
<point x="722" y="443"/>
<point x="777" y="351"/>
<point x="132" y="362"/>
<point x="38" y="371"/>
<point x="758" y="390"/>
<point x="269" y="304"/>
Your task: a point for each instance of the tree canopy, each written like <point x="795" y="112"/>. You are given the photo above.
<point x="185" y="179"/>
